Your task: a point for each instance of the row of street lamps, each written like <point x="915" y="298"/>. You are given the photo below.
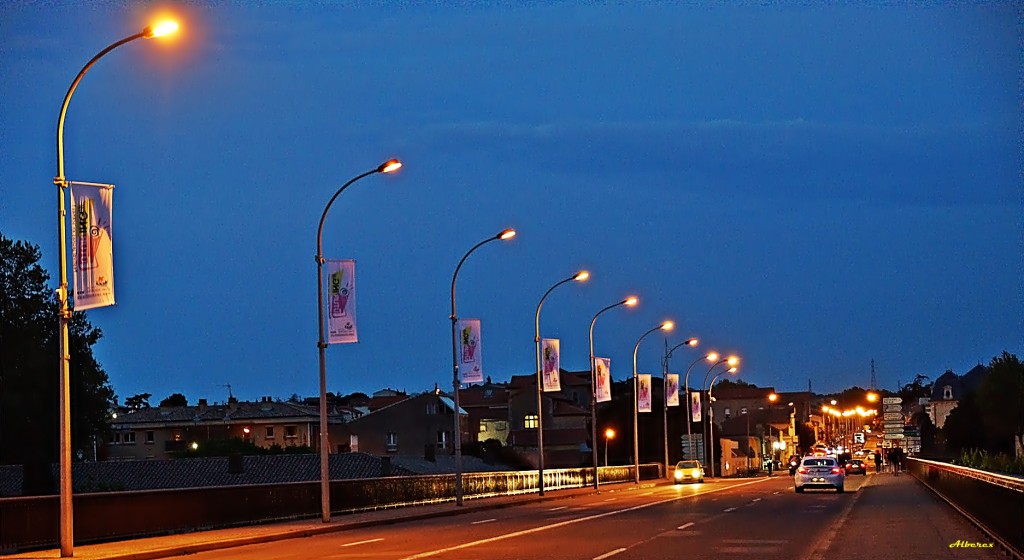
<point x="66" y="514"/>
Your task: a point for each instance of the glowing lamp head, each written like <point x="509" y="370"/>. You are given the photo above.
<point x="692" y="342"/>
<point x="667" y="326"/>
<point x="195" y="446"/>
<point x="773" y="397"/>
<point x="712" y="357"/>
<point x="872" y="397"/>
<point x="159" y="30"/>
<point x="733" y="361"/>
<point x="631" y="301"/>
<point x="609" y="433"/>
<point x="389" y="166"/>
<point x="581" y="276"/>
<point x="507" y="234"/>
<point x="733" y="369"/>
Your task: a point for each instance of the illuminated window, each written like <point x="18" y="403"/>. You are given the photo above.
<point x="728" y="412"/>
<point x="947" y="392"/>
<point x="391" y="441"/>
<point x="442" y="439"/>
<point x="483" y="428"/>
<point x="530" y="421"/>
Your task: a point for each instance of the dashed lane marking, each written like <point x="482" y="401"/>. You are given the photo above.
<point x="361" y="542"/>
<point x="609" y="554"/>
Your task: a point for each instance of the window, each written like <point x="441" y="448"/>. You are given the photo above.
<point x="483" y="427"/>
<point x="270" y="432"/>
<point x="115" y="438"/>
<point x="128" y="437"/>
<point x="291" y="432"/>
<point x="728" y="413"/>
<point x="743" y="410"/>
<point x="442" y="439"/>
<point x="391" y="441"/>
<point x="947" y="392"/>
<point x="530" y="421"/>
<point x="150" y="436"/>
<point x="432" y="407"/>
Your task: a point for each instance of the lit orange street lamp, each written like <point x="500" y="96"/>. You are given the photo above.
<point x="325" y="449"/>
<point x="692" y="343"/>
<point x="609" y="434"/>
<point x="60" y="181"/>
<point x="711" y="357"/>
<point x="664" y="326"/>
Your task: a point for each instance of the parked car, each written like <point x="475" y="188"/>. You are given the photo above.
<point x="688" y="471"/>
<point x="819" y="472"/>
<point x="856" y="466"/>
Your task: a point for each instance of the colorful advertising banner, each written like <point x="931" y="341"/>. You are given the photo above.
<point x="549" y="364"/>
<point x="603" y="373"/>
<point x="643" y="398"/>
<point x="695" y="406"/>
<point x="672" y="390"/>
<point x="92" y="245"/>
<point x="341" y="302"/>
<point x="471" y="368"/>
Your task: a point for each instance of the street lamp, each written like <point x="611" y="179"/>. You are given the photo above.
<point x="629" y="301"/>
<point x="580" y="276"/>
<point x="609" y="434"/>
<point x="64" y="315"/>
<point x="664" y="326"/>
<point x="456" y="383"/>
<point x="711" y="425"/>
<point x="732" y="362"/>
<point x="325" y="477"/>
<point x="711" y="357"/>
<point x="690" y="342"/>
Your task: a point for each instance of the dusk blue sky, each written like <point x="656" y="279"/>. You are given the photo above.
<point x="808" y="187"/>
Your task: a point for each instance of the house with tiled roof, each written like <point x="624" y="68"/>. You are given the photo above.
<point x="418" y="425"/>
<point x="566" y="419"/>
<point x="949" y="389"/>
<point x="162" y="432"/>
<point x="486" y="407"/>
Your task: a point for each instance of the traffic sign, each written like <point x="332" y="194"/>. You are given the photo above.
<point x="892" y="416"/>
<point x="892" y="407"/>
<point x="894" y="436"/>
<point x="892" y="400"/>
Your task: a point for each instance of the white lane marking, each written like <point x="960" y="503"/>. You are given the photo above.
<point x="775" y="493"/>
<point x="550" y="526"/>
<point x="361" y="542"/>
<point x="557" y="508"/>
<point x="483" y="521"/>
<point x="647" y="494"/>
<point x="609" y="554"/>
<point x="728" y="510"/>
<point x="686" y="526"/>
<point x="755" y="500"/>
<point x="611" y="499"/>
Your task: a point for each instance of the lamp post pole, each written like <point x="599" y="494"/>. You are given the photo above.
<point x="731" y="361"/>
<point x="711" y="416"/>
<point x="689" y="411"/>
<point x="630" y="301"/>
<point x="456" y="383"/>
<point x="665" y="326"/>
<point x="66" y="522"/>
<point x="664" y="375"/>
<point x="579" y="277"/>
<point x="325" y="449"/>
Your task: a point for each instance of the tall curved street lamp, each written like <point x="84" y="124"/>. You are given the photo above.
<point x="629" y="301"/>
<point x="64" y="314"/>
<point x="732" y="362"/>
<point x="325" y="450"/>
<point x="711" y="357"/>
<point x="456" y="383"/>
<point x="578" y="277"/>
<point x="664" y="326"/>
<point x="691" y="342"/>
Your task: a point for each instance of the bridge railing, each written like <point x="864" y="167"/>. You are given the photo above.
<point x="993" y="500"/>
<point x="32" y="523"/>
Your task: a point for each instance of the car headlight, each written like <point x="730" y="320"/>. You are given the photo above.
<point x="679" y="475"/>
<point x="695" y="473"/>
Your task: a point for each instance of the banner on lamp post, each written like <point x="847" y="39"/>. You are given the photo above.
<point x="695" y="406"/>
<point x="643" y="398"/>
<point x="341" y="302"/>
<point x="603" y="373"/>
<point x="470" y="357"/>
<point x="92" y="244"/>
<point x="672" y="389"/>
<point x="549" y="363"/>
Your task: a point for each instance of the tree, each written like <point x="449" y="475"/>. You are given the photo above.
<point x="135" y="402"/>
<point x="176" y="399"/>
<point x="916" y="389"/>
<point x="28" y="366"/>
<point x="1001" y="402"/>
<point x="733" y="383"/>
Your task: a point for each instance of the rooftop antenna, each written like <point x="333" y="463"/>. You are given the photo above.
<point x="228" y="385"/>
<point x="874" y="381"/>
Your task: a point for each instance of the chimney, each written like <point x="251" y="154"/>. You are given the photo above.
<point x="232" y="403"/>
<point x="202" y="405"/>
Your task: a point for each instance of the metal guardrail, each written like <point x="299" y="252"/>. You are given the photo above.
<point x="31" y="523"/>
<point x="993" y="501"/>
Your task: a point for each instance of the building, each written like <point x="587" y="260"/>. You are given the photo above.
<point x="486" y="406"/>
<point x="949" y="389"/>
<point x="566" y="419"/>
<point x="420" y="425"/>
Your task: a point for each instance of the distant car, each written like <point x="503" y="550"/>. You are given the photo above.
<point x="819" y="472"/>
<point x="856" y="466"/>
<point x="688" y="471"/>
<point x="794" y="462"/>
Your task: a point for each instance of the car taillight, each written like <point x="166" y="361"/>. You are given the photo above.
<point x="835" y="470"/>
<point x="802" y="470"/>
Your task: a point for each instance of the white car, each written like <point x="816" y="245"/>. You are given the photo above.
<point x="819" y="472"/>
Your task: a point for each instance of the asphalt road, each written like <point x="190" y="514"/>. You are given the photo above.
<point x="738" y="518"/>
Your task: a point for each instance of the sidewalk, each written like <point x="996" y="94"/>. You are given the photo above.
<point x="896" y="518"/>
<point x="189" y="543"/>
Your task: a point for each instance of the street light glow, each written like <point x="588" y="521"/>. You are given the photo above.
<point x="581" y="276"/>
<point x="389" y="166"/>
<point x="712" y="357"/>
<point x="872" y="397"/>
<point x="631" y="301"/>
<point x="507" y="234"/>
<point x="609" y="434"/>
<point x="159" y="30"/>
<point x="667" y="326"/>
<point x="733" y="369"/>
<point x="733" y="361"/>
<point x="693" y="342"/>
<point x="773" y="397"/>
